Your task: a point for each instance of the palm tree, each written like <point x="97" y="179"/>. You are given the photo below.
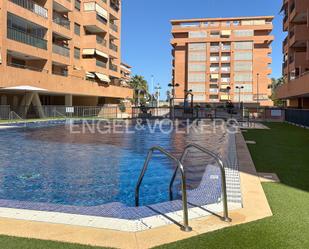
<point x="275" y="83"/>
<point x="140" y="86"/>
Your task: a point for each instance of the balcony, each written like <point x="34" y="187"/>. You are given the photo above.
<point x="115" y="5"/>
<point x="37" y="69"/>
<point x="113" y="67"/>
<point x="60" y="20"/>
<point x="94" y="42"/>
<point x="32" y="6"/>
<point x="214" y="69"/>
<point x="61" y="50"/>
<point x="113" y="27"/>
<point x="94" y="23"/>
<point x="100" y="40"/>
<point x="113" y="47"/>
<point x="213" y="90"/>
<point x="26" y="38"/>
<point x="299" y="35"/>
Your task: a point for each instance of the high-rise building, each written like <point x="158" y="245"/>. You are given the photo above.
<point x="64" y="52"/>
<point x="221" y="59"/>
<point x="296" y="54"/>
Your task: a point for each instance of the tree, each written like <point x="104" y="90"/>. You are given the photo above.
<point x="275" y="83"/>
<point x="140" y="86"/>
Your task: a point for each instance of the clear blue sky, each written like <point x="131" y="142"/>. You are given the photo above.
<point x="146" y="30"/>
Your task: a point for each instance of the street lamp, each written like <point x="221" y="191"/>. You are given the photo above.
<point x="239" y="90"/>
<point x="257" y="90"/>
<point x="158" y="88"/>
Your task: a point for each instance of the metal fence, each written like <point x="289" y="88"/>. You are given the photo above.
<point x="297" y="116"/>
<point x="5" y="112"/>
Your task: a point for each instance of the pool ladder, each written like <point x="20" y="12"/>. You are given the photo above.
<point x="179" y="166"/>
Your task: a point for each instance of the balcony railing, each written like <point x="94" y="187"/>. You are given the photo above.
<point x="225" y="69"/>
<point x="113" y="47"/>
<point x="37" y="69"/>
<point x="100" y="63"/>
<point x="115" y="5"/>
<point x="226" y="48"/>
<point x="113" y="26"/>
<point x="214" y="59"/>
<point x="61" y="50"/>
<point x="113" y="67"/>
<point x="32" y="6"/>
<point x="225" y="58"/>
<point x="214" y="69"/>
<point x="214" y="49"/>
<point x="101" y="40"/>
<point x="26" y="38"/>
<point x="60" y="20"/>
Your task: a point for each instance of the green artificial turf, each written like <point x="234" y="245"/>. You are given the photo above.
<point x="283" y="150"/>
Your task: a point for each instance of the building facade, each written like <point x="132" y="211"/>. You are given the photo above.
<point x="126" y="73"/>
<point x="222" y="59"/>
<point x="62" y="52"/>
<point x="295" y="54"/>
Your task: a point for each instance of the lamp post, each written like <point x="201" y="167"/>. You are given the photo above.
<point x="158" y="88"/>
<point x="257" y="89"/>
<point x="172" y="103"/>
<point x="239" y="90"/>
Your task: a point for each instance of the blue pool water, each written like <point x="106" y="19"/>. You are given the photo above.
<point x="52" y="165"/>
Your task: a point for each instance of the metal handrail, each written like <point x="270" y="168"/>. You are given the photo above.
<point x="185" y="226"/>
<point x="223" y="178"/>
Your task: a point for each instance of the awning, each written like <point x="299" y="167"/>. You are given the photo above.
<point x="90" y="75"/>
<point x="224" y="97"/>
<point x="24" y="88"/>
<point x="88" y="51"/>
<point x="214" y="76"/>
<point x="226" y="32"/>
<point x="101" y="11"/>
<point x="92" y="51"/>
<point x="103" y="77"/>
<point x="100" y="53"/>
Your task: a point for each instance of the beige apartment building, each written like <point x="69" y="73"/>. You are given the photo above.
<point x="295" y="54"/>
<point x="222" y="59"/>
<point x="61" y="52"/>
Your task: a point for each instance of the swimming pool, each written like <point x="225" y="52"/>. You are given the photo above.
<point x="50" y="168"/>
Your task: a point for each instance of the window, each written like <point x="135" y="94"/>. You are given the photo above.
<point x="197" y="77"/>
<point x="77" y="29"/>
<point x="197" y="56"/>
<point x="243" y="45"/>
<point x="199" y="97"/>
<point x="246" y="56"/>
<point x="240" y="33"/>
<point x="243" y="66"/>
<point x="197" y="34"/>
<point x="247" y="88"/>
<point x="76" y="53"/>
<point x="77" y="5"/>
<point x="243" y="97"/>
<point x="199" y="88"/>
<point x="197" y="46"/>
<point x="197" y="67"/>
<point x="243" y="77"/>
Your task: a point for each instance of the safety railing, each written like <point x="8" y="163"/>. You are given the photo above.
<point x="222" y="169"/>
<point x="185" y="227"/>
<point x="14" y="116"/>
<point x="32" y="6"/>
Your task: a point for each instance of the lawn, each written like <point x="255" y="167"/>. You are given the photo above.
<point x="284" y="150"/>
